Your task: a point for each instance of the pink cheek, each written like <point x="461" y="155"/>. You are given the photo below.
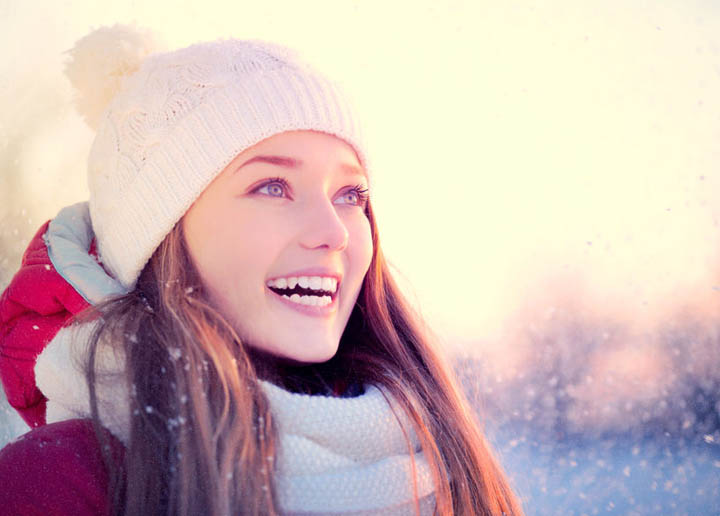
<point x="262" y="240"/>
<point x="363" y="238"/>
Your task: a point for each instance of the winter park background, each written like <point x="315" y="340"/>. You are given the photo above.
<point x="547" y="182"/>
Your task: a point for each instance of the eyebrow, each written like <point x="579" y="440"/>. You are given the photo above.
<point x="287" y="162"/>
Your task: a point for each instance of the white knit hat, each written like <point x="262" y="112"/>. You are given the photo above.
<point x="179" y="120"/>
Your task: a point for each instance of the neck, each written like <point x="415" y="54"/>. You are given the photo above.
<point x="325" y="378"/>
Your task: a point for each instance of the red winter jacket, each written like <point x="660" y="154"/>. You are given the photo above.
<point x="55" y="469"/>
<point x="35" y="305"/>
<point x="59" y="277"/>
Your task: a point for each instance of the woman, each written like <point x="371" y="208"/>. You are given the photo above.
<point x="237" y="345"/>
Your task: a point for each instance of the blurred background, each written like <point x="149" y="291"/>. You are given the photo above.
<point x="547" y="183"/>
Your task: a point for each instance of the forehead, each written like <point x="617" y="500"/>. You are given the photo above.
<point x="295" y="149"/>
<point x="309" y="143"/>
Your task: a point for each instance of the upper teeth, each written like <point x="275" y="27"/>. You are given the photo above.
<point x="312" y="282"/>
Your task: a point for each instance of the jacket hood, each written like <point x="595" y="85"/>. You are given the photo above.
<point x="59" y="277"/>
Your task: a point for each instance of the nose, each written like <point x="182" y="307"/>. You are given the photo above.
<point x="324" y="228"/>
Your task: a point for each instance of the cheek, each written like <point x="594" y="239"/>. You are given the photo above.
<point x="229" y="248"/>
<point x="239" y="253"/>
<point x="233" y="262"/>
<point x="361" y="243"/>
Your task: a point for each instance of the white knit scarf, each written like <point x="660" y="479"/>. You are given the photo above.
<point x="338" y="456"/>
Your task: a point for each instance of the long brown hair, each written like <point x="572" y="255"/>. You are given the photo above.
<point x="203" y="439"/>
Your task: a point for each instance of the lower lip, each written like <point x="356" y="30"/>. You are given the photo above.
<point x="317" y="311"/>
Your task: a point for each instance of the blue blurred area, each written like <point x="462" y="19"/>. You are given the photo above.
<point x="619" y="475"/>
<point x="577" y="443"/>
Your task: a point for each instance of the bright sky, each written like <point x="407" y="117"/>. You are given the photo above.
<point x="525" y="153"/>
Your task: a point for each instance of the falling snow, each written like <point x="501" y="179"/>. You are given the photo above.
<point x="633" y="441"/>
<point x="595" y="120"/>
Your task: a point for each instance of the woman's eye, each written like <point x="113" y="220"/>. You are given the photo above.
<point x="275" y="188"/>
<point x="279" y="188"/>
<point x="356" y="196"/>
<point x="350" y="197"/>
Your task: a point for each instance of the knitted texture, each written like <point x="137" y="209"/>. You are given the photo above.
<point x="179" y="120"/>
<point x="335" y="455"/>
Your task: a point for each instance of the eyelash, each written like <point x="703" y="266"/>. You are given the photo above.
<point x="359" y="189"/>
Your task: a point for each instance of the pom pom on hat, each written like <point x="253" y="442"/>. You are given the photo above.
<point x="101" y="60"/>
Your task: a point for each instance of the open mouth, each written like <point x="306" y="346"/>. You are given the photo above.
<point x="306" y="291"/>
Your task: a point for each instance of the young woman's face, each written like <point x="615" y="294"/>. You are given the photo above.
<point x="287" y="212"/>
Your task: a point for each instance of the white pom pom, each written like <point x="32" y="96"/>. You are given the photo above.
<point x="100" y="62"/>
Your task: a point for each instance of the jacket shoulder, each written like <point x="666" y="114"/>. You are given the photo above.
<point x="34" y="306"/>
<point x="57" y="469"/>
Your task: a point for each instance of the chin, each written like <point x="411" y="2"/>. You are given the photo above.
<point x="269" y="355"/>
<point x="315" y="358"/>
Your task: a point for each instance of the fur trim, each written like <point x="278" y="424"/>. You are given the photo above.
<point x="60" y="375"/>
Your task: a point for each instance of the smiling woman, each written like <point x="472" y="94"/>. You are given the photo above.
<point x="218" y="331"/>
<point x="307" y="229"/>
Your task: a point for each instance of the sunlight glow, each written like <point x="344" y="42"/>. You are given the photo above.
<point x="518" y="149"/>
